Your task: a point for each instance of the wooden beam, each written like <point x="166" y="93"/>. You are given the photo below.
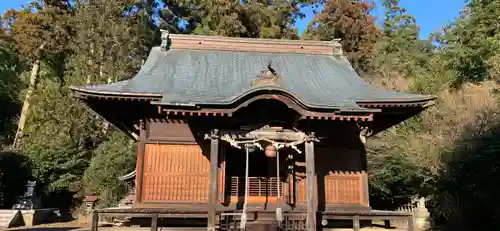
<point x="311" y="189"/>
<point x="214" y="179"/>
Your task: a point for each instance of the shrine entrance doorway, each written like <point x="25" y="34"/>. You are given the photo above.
<point x="263" y="178"/>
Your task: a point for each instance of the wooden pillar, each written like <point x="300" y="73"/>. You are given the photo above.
<point x="141" y="149"/>
<point x="214" y="180"/>
<point x="311" y="186"/>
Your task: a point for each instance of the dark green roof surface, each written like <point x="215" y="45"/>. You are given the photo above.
<point x="196" y="77"/>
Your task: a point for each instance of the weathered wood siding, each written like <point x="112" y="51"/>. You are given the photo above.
<point x="338" y="188"/>
<point x="175" y="173"/>
<point x="340" y="177"/>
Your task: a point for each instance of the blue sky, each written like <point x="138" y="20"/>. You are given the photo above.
<point x="430" y="14"/>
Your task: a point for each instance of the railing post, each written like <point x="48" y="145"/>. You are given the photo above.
<point x="355" y="223"/>
<point x="410" y="223"/>
<point x="154" y="222"/>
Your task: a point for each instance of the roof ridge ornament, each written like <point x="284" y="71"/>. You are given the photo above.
<point x="165" y="40"/>
<point x="337" y="47"/>
<point x="267" y="76"/>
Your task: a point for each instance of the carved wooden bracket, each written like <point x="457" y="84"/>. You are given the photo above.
<point x="213" y="134"/>
<point x="142" y="124"/>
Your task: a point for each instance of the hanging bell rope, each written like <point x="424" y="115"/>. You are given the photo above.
<point x="243" y="222"/>
<point x="247" y="144"/>
<point x="279" y="212"/>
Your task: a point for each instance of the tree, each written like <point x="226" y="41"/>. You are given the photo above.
<point x="113" y="158"/>
<point x="399" y="28"/>
<point x="252" y="19"/>
<point x="39" y="31"/>
<point x="471" y="44"/>
<point x="351" y="22"/>
<point x="11" y="67"/>
<point x="112" y="39"/>
<point x="399" y="49"/>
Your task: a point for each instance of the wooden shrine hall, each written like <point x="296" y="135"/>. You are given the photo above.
<point x="237" y="133"/>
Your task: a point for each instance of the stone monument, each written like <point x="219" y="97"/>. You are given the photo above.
<point x="29" y="200"/>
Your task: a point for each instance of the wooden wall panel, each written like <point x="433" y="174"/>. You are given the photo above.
<point x="339" y="176"/>
<point x="175" y="173"/>
<point x="336" y="188"/>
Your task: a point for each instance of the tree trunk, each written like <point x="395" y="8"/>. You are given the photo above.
<point x="35" y="71"/>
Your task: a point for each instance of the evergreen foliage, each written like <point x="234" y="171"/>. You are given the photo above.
<point x="352" y="23"/>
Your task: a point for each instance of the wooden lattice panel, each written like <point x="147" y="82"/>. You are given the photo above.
<point x="259" y="186"/>
<point x="175" y="173"/>
<point x="339" y="188"/>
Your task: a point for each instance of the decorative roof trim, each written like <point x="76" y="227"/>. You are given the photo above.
<point x="218" y="43"/>
<point x="310" y="115"/>
<point x="265" y="91"/>
<point x="79" y="92"/>
<point x="422" y="102"/>
<point x="101" y="92"/>
<point x="360" y="114"/>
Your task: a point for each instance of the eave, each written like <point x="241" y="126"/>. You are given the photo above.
<point x="424" y="102"/>
<point x="84" y="93"/>
<point x="379" y="114"/>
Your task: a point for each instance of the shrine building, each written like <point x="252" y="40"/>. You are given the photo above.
<point x="238" y="132"/>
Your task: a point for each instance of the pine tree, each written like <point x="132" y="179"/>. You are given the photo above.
<point x="399" y="49"/>
<point x="351" y="22"/>
<point x="111" y="46"/>
<point x="253" y="19"/>
<point x="399" y="27"/>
